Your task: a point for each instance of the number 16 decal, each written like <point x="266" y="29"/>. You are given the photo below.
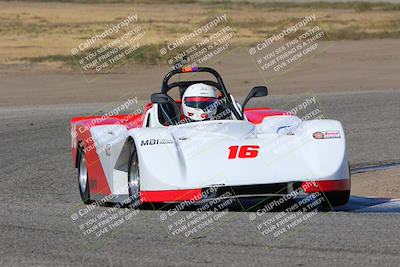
<point x="243" y="152"/>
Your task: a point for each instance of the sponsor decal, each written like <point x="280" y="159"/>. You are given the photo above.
<point x="150" y="142"/>
<point x="327" y="135"/>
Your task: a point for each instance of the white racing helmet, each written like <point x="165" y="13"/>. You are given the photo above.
<point x="199" y="102"/>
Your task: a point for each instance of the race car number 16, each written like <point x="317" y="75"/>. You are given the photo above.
<point x="243" y="152"/>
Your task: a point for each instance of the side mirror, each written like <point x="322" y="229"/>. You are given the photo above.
<point x="160" y="98"/>
<point x="257" y="91"/>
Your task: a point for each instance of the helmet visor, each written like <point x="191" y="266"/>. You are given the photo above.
<point x="201" y="102"/>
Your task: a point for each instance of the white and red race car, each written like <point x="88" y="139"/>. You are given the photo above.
<point x="159" y="157"/>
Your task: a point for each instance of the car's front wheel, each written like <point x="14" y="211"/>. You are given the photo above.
<point x="134" y="178"/>
<point x="83" y="178"/>
<point x="336" y="198"/>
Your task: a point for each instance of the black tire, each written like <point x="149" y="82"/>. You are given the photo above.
<point x="83" y="183"/>
<point x="336" y="198"/>
<point x="134" y="178"/>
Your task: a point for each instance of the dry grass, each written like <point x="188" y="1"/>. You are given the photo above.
<point x="46" y="31"/>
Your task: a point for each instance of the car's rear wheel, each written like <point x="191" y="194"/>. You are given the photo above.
<point x="83" y="178"/>
<point x="134" y="178"/>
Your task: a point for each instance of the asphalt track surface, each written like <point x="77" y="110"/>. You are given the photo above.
<point x="39" y="194"/>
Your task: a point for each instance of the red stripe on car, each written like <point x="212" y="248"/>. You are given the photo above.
<point x="171" y="195"/>
<point x="326" y="186"/>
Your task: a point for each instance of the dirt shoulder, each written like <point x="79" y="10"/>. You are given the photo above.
<point x="344" y="66"/>
<point x="37" y="29"/>
<point x="377" y="184"/>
